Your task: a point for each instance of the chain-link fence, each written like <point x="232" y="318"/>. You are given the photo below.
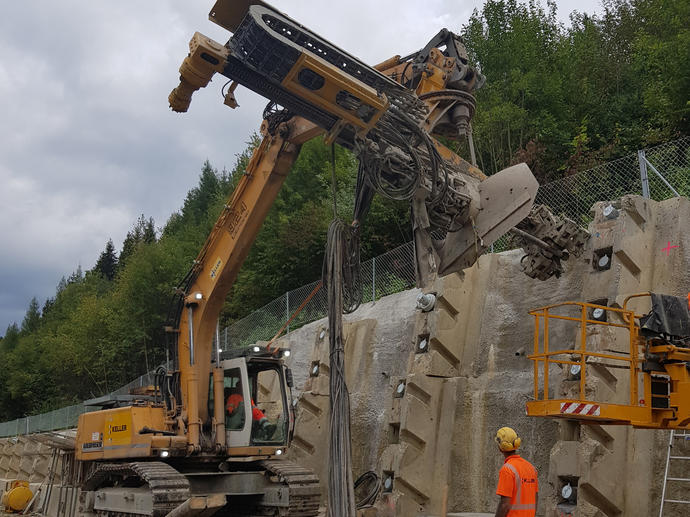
<point x="63" y="418"/>
<point x="386" y="274"/>
<point x="670" y="169"/>
<point x="658" y="173"/>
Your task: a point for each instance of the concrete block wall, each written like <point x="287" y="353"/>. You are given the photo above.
<point x="25" y="459"/>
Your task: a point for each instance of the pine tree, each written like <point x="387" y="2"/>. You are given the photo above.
<point x="32" y="319"/>
<point x="149" y="231"/>
<point x="107" y="262"/>
<point x="144" y="231"/>
<point x="200" y="198"/>
<point x="47" y="306"/>
<point x="11" y="337"/>
<point x="62" y="285"/>
<point x="76" y="277"/>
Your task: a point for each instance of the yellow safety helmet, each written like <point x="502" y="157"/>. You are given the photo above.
<point x="507" y="439"/>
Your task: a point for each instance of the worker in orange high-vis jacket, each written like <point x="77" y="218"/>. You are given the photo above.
<point x="518" y="485"/>
<point x="233" y="404"/>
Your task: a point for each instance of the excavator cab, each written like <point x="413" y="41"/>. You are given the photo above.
<point x="257" y="409"/>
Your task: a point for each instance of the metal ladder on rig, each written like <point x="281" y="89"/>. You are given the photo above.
<point x="685" y="437"/>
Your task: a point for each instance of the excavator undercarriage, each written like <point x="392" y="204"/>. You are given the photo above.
<point x="154" y="488"/>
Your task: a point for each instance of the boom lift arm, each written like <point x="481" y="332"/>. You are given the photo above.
<point x="387" y="115"/>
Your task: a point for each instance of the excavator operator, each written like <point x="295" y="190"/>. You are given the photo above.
<point x="235" y="408"/>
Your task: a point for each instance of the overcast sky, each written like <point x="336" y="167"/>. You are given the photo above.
<point x="87" y="141"/>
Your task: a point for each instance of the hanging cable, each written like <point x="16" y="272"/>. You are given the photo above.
<point x="333" y="182"/>
<point x="341" y="499"/>
<point x="341" y="278"/>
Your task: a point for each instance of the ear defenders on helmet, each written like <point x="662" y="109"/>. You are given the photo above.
<point x="507" y="439"/>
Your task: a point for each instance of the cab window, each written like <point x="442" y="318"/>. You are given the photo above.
<point x="269" y="411"/>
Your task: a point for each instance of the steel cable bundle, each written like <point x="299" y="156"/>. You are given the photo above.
<point x="338" y="278"/>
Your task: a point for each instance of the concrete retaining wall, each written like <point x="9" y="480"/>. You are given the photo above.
<point x="24" y="458"/>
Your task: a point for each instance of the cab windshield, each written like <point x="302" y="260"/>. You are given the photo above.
<point x="269" y="407"/>
<point x="268" y="399"/>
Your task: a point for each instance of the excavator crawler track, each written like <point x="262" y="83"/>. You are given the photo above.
<point x="168" y="487"/>
<point x="302" y="484"/>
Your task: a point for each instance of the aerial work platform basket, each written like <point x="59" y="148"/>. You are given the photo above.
<point x="658" y="365"/>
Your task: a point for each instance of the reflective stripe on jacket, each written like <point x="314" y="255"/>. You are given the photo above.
<point x="517" y="479"/>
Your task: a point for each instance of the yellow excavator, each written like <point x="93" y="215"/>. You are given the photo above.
<point x="212" y="434"/>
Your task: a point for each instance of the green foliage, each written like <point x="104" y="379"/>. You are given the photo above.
<point x="144" y="231"/>
<point x="32" y="319"/>
<point x="296" y="225"/>
<point x="661" y="55"/>
<point x="562" y="99"/>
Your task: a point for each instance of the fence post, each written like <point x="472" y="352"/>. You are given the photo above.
<point x="661" y="177"/>
<point x="287" y="310"/>
<point x="373" y="280"/>
<point x="643" y="173"/>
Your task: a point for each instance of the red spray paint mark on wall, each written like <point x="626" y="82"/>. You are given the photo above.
<point x="668" y="248"/>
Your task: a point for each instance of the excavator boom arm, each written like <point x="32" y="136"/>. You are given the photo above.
<point x="222" y="256"/>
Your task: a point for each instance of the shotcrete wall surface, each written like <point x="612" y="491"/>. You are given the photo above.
<point x="473" y="378"/>
<point x="378" y="341"/>
<point x="428" y="390"/>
